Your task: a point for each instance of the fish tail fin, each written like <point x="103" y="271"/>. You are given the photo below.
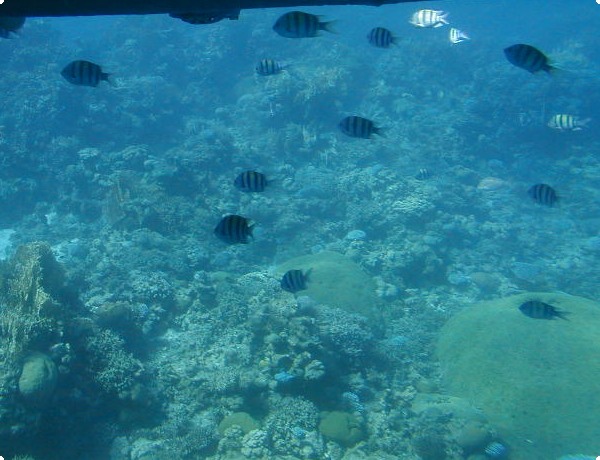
<point x="562" y="315"/>
<point x="107" y="77"/>
<point x="307" y="274"/>
<point x="328" y="26"/>
<point x="251" y="227"/>
<point x="583" y="123"/>
<point x="380" y="131"/>
<point x="444" y="18"/>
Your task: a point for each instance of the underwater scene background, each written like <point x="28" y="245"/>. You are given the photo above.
<point x="436" y="308"/>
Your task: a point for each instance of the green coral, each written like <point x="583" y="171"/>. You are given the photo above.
<point x="341" y="427"/>
<point x="114" y="369"/>
<point x="536" y="380"/>
<point x="31" y="286"/>
<point x="337" y="281"/>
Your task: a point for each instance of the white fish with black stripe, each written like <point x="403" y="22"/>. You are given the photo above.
<point x="360" y="127"/>
<point x="295" y="280"/>
<point x="267" y="67"/>
<point x="84" y="73"/>
<point x="429" y="18"/>
<point x="564" y="122"/>
<point x="381" y="37"/>
<point x="457" y="36"/>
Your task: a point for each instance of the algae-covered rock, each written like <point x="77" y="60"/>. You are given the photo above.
<point x="466" y="425"/>
<point x="34" y="279"/>
<point x="38" y="378"/>
<point x="31" y="286"/>
<point x="242" y="419"/>
<point x="341" y="427"/>
<point x="537" y="380"/>
<point x="337" y="281"/>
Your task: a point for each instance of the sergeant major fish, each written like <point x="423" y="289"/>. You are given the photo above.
<point x="457" y="36"/>
<point x="354" y="126"/>
<point x="84" y="73"/>
<point x="528" y="57"/>
<point x="564" y="122"/>
<point x="381" y="37"/>
<point x="234" y="229"/>
<point x="267" y="67"/>
<point x="250" y="181"/>
<point x="543" y="194"/>
<point x="429" y="18"/>
<point x="297" y="24"/>
<point x="295" y="280"/>
<point x="537" y="309"/>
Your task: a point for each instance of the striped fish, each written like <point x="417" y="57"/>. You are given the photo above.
<point x="294" y="280"/>
<point x="10" y="25"/>
<point x="564" y="122"/>
<point x="297" y="24"/>
<point x="543" y="194"/>
<point x="354" y="126"/>
<point x="381" y="37"/>
<point x="528" y="57"/>
<point x="268" y="67"/>
<point x="250" y="181"/>
<point x="84" y="73"/>
<point x="457" y="36"/>
<point x="429" y="18"/>
<point x="423" y="174"/>
<point x="234" y="229"/>
<point x="537" y="309"/>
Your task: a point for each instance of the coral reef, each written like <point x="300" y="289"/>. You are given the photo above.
<point x="520" y="370"/>
<point x="125" y="323"/>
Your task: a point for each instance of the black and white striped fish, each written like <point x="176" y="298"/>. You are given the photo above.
<point x="10" y="25"/>
<point x="381" y="37"/>
<point x="543" y="194"/>
<point x="537" y="309"/>
<point x="423" y="174"/>
<point x="564" y="122"/>
<point x="234" y="229"/>
<point x="297" y="24"/>
<point x="528" y="57"/>
<point x="457" y="36"/>
<point x="354" y="126"/>
<point x="268" y="67"/>
<point x="429" y="18"/>
<point x="294" y="280"/>
<point x="84" y="73"/>
<point x="250" y="181"/>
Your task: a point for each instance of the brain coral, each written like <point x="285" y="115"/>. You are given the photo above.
<point x="538" y="381"/>
<point x="337" y="281"/>
<point x="38" y="378"/>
